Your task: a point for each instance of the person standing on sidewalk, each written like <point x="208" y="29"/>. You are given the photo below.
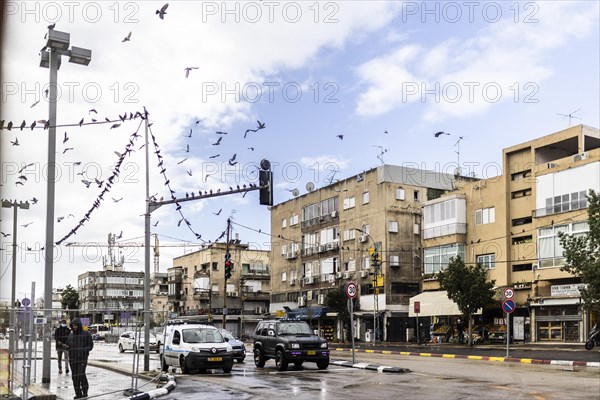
<point x="80" y="344"/>
<point x="61" y="336"/>
<point x="460" y="328"/>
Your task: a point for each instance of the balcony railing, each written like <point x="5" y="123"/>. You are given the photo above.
<point x="560" y="208"/>
<point x="443" y="230"/>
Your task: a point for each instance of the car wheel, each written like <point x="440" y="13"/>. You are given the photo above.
<point x="227" y="370"/>
<point x="259" y="359"/>
<point x="323" y="364"/>
<point x="241" y="359"/>
<point x="184" y="368"/>
<point x="280" y="361"/>
<point x="121" y="348"/>
<point x="163" y="364"/>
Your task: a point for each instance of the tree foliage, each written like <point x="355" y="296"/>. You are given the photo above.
<point x="70" y="298"/>
<point x="468" y="287"/>
<point x="582" y="255"/>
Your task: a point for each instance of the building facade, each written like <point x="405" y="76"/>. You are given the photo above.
<point x="196" y="285"/>
<point x="159" y="297"/>
<point x="510" y="224"/>
<point x="321" y="240"/>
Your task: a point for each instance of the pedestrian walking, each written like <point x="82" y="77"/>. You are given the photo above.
<point x="460" y="328"/>
<point x="80" y="344"/>
<point x="61" y="336"/>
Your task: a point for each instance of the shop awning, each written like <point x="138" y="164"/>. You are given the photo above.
<point x="434" y="304"/>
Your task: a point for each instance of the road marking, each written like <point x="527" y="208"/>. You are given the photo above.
<point x="425" y="354"/>
<point x="448" y="356"/>
<point x="526" y="360"/>
<point x="500" y="359"/>
<point x="475" y="357"/>
<point x="386" y="352"/>
<point x="369" y="351"/>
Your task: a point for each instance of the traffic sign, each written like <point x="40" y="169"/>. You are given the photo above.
<point x="351" y="290"/>
<point x="509" y="293"/>
<point x="417" y="305"/>
<point x="26" y="302"/>
<point x="508" y="306"/>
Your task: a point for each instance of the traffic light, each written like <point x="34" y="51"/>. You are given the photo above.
<point x="265" y="182"/>
<point x="228" y="265"/>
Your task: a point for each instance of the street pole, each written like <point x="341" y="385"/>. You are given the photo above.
<point x="225" y="277"/>
<point x="351" y="307"/>
<point x="507" y="333"/>
<point x="50" y="196"/>
<point x="147" y="258"/>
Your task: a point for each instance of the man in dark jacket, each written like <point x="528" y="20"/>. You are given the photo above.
<point x="80" y="344"/>
<point x="61" y="336"/>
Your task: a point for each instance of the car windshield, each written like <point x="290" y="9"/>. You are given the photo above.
<point x="202" y="336"/>
<point x="294" y="328"/>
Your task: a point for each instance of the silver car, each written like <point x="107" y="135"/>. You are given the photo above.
<point x="132" y="341"/>
<point x="239" y="350"/>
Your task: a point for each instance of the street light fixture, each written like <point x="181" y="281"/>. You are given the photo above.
<point x="57" y="45"/>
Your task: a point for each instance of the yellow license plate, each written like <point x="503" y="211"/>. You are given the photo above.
<point x="311" y="352"/>
<point x="215" y="358"/>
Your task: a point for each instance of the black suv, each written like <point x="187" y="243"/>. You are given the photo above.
<point x="289" y="341"/>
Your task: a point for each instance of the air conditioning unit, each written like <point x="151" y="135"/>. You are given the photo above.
<point x="330" y="246"/>
<point x="551" y="165"/>
<point x="301" y="301"/>
<point x="331" y="278"/>
<point x="309" y="280"/>
<point x="346" y="274"/>
<point x="322" y="248"/>
<point x="362" y="238"/>
<point x="364" y="274"/>
<point x="232" y="294"/>
<point x="580" y="156"/>
<point x="338" y="275"/>
<point x="334" y="214"/>
<point x="292" y="282"/>
<point x="535" y="266"/>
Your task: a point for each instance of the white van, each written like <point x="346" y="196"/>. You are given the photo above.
<point x="195" y="347"/>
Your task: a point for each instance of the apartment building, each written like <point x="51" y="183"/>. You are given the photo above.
<point x="159" y="297"/>
<point x="509" y="223"/>
<point x="321" y="240"/>
<point x="196" y="285"/>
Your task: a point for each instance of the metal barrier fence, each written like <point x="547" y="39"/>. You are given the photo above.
<point x="115" y="364"/>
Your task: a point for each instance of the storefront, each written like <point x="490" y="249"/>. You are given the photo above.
<point x="559" y="317"/>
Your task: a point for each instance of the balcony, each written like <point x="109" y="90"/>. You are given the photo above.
<point x="262" y="274"/>
<point x="201" y="294"/>
<point x="257" y="296"/>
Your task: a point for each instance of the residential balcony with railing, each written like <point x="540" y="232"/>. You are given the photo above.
<point x="201" y="294"/>
<point x="257" y="296"/>
<point x="262" y="273"/>
<point x="444" y="230"/>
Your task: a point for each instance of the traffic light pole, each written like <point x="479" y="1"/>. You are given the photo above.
<point x="225" y="276"/>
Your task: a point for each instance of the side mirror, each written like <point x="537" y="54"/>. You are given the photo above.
<point x="271" y="332"/>
<point x="227" y="339"/>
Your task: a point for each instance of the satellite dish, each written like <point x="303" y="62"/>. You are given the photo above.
<point x="310" y="186"/>
<point x="295" y="192"/>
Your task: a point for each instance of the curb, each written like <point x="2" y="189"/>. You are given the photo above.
<point x="152" y="394"/>
<point x="590" y="364"/>
<point x="371" y="367"/>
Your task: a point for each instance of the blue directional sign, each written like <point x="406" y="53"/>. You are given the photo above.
<point x="508" y="306"/>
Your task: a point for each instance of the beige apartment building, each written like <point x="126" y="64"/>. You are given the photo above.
<point x="509" y="223"/>
<point x="320" y="241"/>
<point x="196" y="285"/>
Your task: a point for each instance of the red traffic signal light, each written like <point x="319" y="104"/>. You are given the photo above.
<point x="228" y="269"/>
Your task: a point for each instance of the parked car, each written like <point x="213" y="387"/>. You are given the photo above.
<point x="196" y="347"/>
<point x="98" y="331"/>
<point x="289" y="341"/>
<point x="132" y="341"/>
<point x="239" y="349"/>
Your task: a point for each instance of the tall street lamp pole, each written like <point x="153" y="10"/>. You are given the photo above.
<point x="56" y="46"/>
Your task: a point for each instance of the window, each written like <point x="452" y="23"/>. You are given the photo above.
<point x="294" y="220"/>
<point x="328" y="206"/>
<point x="522" y="267"/>
<point x="400" y="194"/>
<point x="550" y="252"/>
<point x="522" y="239"/>
<point x="437" y="258"/>
<point x="349" y="203"/>
<point x="283" y="223"/>
<point x="393" y="226"/>
<point x="283" y="276"/>
<point x="349" y="234"/>
<point x="521" y="193"/>
<point x="519" y="176"/>
<point x="405" y="288"/>
<point x="487" y="260"/>
<point x="565" y="202"/>
<point x="416" y="195"/>
<point x="283" y="250"/>
<point x="394" y="261"/>
<point x="215" y="266"/>
<point x="485" y="216"/>
<point x="521" y="221"/>
<point x="350" y="266"/>
<point x="365" y="263"/>
<point x="365" y="198"/>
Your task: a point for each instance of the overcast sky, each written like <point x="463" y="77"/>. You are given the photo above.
<point x="386" y="75"/>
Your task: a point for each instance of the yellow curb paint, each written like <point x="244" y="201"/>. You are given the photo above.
<point x="448" y="356"/>
<point x="369" y="351"/>
<point x="425" y="354"/>
<point x="386" y="352"/>
<point x="501" y="359"/>
<point x="340" y="349"/>
<point x="526" y="360"/>
<point x="405" y="353"/>
<point x="475" y="357"/>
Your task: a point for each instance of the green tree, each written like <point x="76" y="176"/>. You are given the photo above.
<point x="468" y="287"/>
<point x="582" y="255"/>
<point x="70" y="299"/>
<point x="337" y="301"/>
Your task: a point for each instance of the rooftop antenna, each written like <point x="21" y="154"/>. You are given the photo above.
<point x="382" y="151"/>
<point x="570" y="115"/>
<point x="457" y="151"/>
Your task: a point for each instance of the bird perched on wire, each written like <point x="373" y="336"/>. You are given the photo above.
<point x="163" y="11"/>
<point x="187" y="71"/>
<point x="438" y="134"/>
